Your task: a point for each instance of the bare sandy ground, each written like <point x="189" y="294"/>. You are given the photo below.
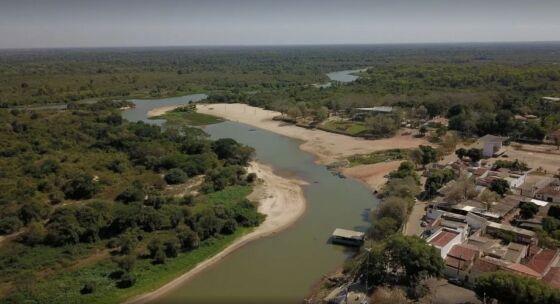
<point x="162" y="110"/>
<point x="372" y="175"/>
<point x="328" y="147"/>
<point x="282" y="201"/>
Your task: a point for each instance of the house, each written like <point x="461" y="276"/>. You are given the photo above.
<point x="533" y="183"/>
<point x="549" y="193"/>
<point x="445" y="238"/>
<point x="544" y="260"/>
<point x="460" y="260"/>
<point x="492" y="145"/>
<point x="519" y="235"/>
<point x="516" y="252"/>
<point x="484" y="265"/>
<point x="514" y="179"/>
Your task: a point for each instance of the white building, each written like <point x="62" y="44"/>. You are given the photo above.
<point x="491" y="145"/>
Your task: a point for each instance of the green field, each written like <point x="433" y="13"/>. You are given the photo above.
<point x="379" y="156"/>
<point x="351" y="128"/>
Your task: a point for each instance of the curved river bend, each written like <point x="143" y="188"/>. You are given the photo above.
<point x="280" y="268"/>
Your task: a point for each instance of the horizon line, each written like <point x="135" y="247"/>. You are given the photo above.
<point x="279" y="45"/>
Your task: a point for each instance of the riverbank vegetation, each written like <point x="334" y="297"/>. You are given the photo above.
<point x="379" y="156"/>
<point x="92" y="204"/>
<point x="187" y="115"/>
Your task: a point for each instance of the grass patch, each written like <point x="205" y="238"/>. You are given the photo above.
<point x="229" y="196"/>
<point x="348" y="127"/>
<point x="65" y="286"/>
<point x="378" y="157"/>
<point x="190" y="118"/>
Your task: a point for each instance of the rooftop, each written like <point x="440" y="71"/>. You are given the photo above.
<point x="384" y="109"/>
<point x="463" y="252"/>
<point x="512" y="229"/>
<point x="443" y="238"/>
<point x="349" y="234"/>
<point x="523" y="270"/>
<point x="552" y="278"/>
<point x="551" y="190"/>
<point x="488" y="264"/>
<point x="488" y="138"/>
<point x="456" y="263"/>
<point x="542" y="260"/>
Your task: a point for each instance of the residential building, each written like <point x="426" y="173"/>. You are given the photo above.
<point x="445" y="238"/>
<point x="492" y="145"/>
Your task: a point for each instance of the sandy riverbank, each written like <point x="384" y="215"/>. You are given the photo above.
<point x="328" y="147"/>
<point x="281" y="199"/>
<point x="372" y="175"/>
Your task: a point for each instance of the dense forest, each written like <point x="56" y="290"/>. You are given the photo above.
<point x="481" y="88"/>
<point x="85" y="191"/>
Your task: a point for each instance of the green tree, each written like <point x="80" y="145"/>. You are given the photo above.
<point x="415" y="258"/>
<point x="427" y="155"/>
<point x="474" y="154"/>
<point x="437" y="179"/>
<point x="188" y="238"/>
<point x="35" y="234"/>
<point x="176" y="176"/>
<point x="510" y="288"/>
<point x="81" y="186"/>
<point x="125" y="263"/>
<point x="499" y="186"/>
<point x="528" y="210"/>
<point x="382" y="228"/>
<point x="10" y="224"/>
<point x="461" y="152"/>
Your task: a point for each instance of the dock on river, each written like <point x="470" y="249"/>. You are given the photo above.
<point x="347" y="237"/>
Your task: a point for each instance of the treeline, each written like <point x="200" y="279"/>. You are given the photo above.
<point x="390" y="258"/>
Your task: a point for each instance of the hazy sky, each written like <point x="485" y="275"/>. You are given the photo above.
<point x="62" y="23"/>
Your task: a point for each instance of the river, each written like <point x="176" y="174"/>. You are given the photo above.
<point x="281" y="268"/>
<point x="345" y="76"/>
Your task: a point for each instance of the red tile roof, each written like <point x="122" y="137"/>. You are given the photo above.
<point x="463" y="252"/>
<point x="541" y="261"/>
<point x="552" y="278"/>
<point x="523" y="270"/>
<point x="550" y="190"/>
<point x="457" y="263"/>
<point x="442" y="238"/>
<point x="487" y="264"/>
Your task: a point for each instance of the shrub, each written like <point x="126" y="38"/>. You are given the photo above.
<point x="188" y="238"/>
<point x="171" y="249"/>
<point x="127" y="280"/>
<point x="81" y="186"/>
<point x="175" y="176"/>
<point x="251" y="177"/>
<point x="229" y="227"/>
<point x="88" y="288"/>
<point x="10" y="224"/>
